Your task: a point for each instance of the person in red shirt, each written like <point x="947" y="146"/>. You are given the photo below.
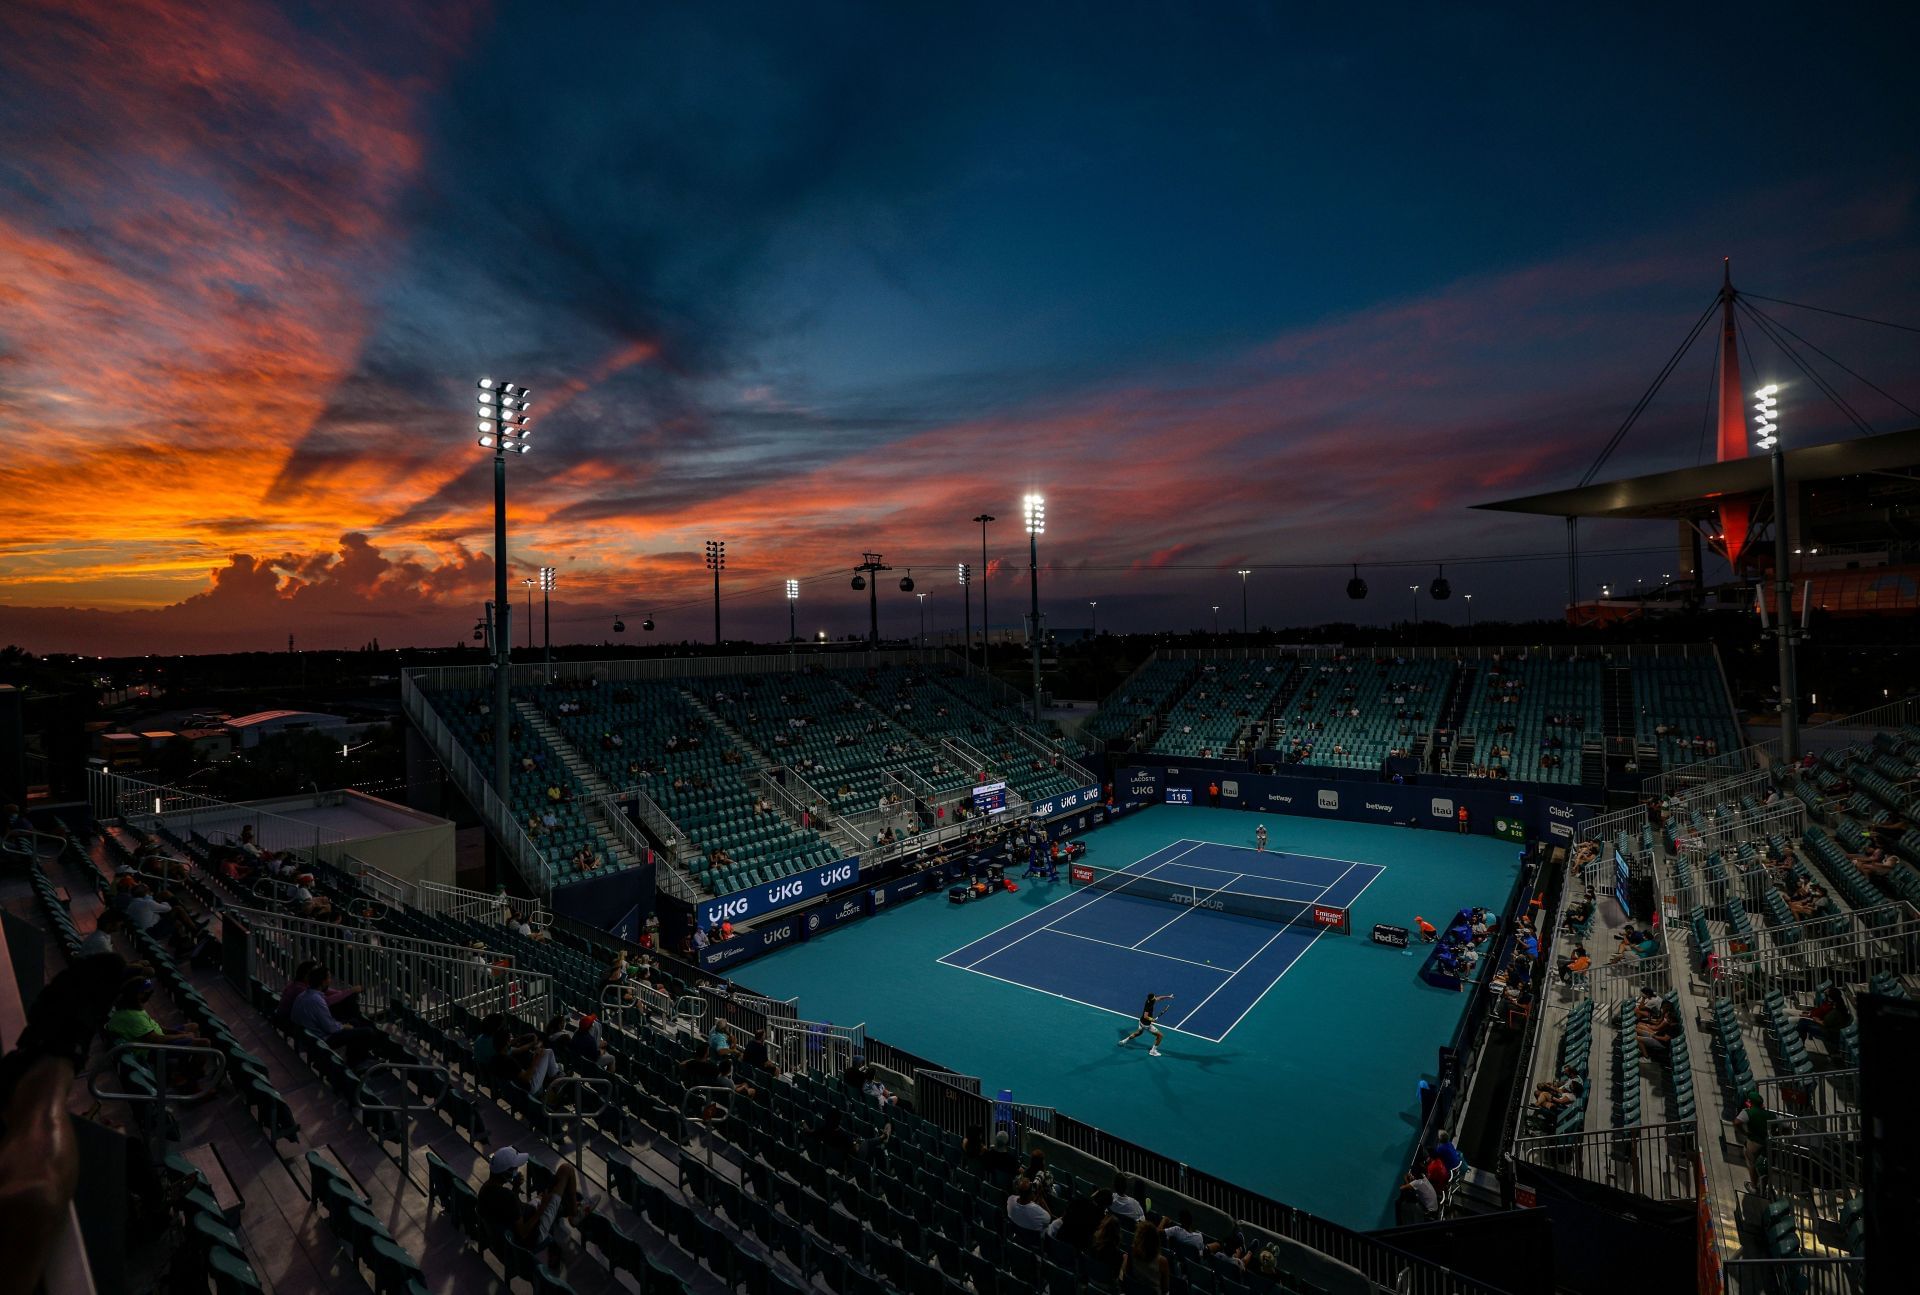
<point x="1461" y="814"/>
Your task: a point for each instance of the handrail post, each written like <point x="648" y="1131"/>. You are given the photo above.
<point x="404" y="1160"/>
<point x="160" y="1069"/>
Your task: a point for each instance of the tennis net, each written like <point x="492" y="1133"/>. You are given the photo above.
<point x="1213" y="899"/>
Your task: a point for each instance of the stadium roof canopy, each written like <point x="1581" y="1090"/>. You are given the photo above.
<point x="1685" y="493"/>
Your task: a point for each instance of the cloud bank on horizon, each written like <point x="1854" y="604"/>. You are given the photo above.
<point x="1232" y="287"/>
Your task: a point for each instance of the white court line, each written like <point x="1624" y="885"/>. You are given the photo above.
<point x="1086" y="902"/>
<point x="1378" y="869"/>
<point x="1054" y="930"/>
<point x="1111" y="1011"/>
<point x="1263" y="948"/>
<point x="1182" y="913"/>
<point x="1274" y="851"/>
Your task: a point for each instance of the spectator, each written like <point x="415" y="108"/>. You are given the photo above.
<point x="1418" y="1192"/>
<point x="1000" y="1162"/>
<point x="101" y="939"/>
<point x="1145" y="1268"/>
<point x="545" y="1225"/>
<point x="144" y="912"/>
<point x="311" y="1013"/>
<point x="719" y="1043"/>
<point x="1025" y="1209"/>
<point x="1826" y="1018"/>
<point x="130" y="1022"/>
<point x="1184" y="1233"/>
<point x="755" y="1055"/>
<point x="1125" y="1205"/>
<point x="585" y="1046"/>
<point x="1075" y="1225"/>
<point x="1446" y="1153"/>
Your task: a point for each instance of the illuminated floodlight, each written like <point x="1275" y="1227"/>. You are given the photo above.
<point x="1765" y="407"/>
<point x="793" y="590"/>
<point x="1034" y="509"/>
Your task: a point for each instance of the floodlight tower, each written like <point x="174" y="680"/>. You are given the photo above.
<point x="1767" y="435"/>
<point x="549" y="578"/>
<point x="1095" y="604"/>
<point x="966" y="602"/>
<point x="793" y="597"/>
<point x="1033" y="509"/>
<point x="1244" y="573"/>
<point x="529" y="583"/>
<point x="986" y="578"/>
<point x="923" y="619"/>
<point x="503" y="427"/>
<point x="716" y="563"/>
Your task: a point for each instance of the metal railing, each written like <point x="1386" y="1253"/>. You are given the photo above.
<point x="1822" y="1092"/>
<point x="668" y="875"/>
<point x="1049" y="752"/>
<point x="672" y="875"/>
<point x="819" y="1046"/>
<point x="151" y="806"/>
<point x="161" y="1051"/>
<point x="1886" y="939"/>
<point x="1653" y="1160"/>
<point x="1829" y="1275"/>
<point x="527" y="858"/>
<point x="405" y="1110"/>
<point x="1722" y="832"/>
<point x="388" y="887"/>
<point x="657" y="669"/>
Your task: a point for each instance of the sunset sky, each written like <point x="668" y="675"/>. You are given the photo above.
<point x="1233" y="284"/>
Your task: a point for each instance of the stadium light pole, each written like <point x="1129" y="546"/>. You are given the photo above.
<point x="1469" y="602"/>
<point x="1095" y="604"/>
<point x="966" y="602"/>
<point x="1216" y="620"/>
<point x="986" y="625"/>
<point x="716" y="563"/>
<point x="923" y="620"/>
<point x="1767" y="433"/>
<point x="1033" y="509"/>
<point x="1416" y="603"/>
<point x="1244" y="573"/>
<point x="529" y="582"/>
<point x="548" y="579"/>
<point x="502" y="411"/>
<point x="793" y="634"/>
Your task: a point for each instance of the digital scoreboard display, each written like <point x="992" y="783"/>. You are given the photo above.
<point x="990" y="798"/>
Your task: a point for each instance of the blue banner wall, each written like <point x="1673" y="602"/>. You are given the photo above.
<point x="1067" y="803"/>
<point x="845" y="908"/>
<point x="757" y="901"/>
<point x="1493" y="809"/>
<point x="764" y="938"/>
<point x="608" y="897"/>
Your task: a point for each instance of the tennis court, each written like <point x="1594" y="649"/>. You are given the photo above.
<point x="1311" y="1096"/>
<point x="1216" y="926"/>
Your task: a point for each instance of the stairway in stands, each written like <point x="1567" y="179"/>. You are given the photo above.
<point x="1616" y="701"/>
<point x="582" y="768"/>
<point x="1453" y="709"/>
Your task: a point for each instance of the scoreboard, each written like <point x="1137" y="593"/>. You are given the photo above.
<point x="990" y="798"/>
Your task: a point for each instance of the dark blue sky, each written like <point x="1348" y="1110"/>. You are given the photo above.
<point x="1233" y="284"/>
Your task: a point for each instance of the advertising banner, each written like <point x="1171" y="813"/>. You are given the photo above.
<point x="757" y="901"/>
<point x="1397" y="936"/>
<point x="846" y="907"/>
<point x="1137" y="786"/>
<point x="1066" y="803"/>
<point x="1179" y="795"/>
<point x="751" y="944"/>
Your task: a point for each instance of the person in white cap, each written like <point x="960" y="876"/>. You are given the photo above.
<point x="546" y="1224"/>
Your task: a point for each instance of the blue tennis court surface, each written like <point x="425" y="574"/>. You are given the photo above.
<point x="1156" y="932"/>
<point x="1311" y="1096"/>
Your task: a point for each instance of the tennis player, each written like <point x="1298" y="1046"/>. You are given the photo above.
<point x="1146" y="1023"/>
<point x="1260" y="837"/>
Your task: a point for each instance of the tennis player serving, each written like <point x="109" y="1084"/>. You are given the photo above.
<point x="1146" y="1023"/>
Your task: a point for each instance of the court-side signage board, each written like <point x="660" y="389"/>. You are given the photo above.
<point x="800" y="888"/>
<point x="1397" y="936"/>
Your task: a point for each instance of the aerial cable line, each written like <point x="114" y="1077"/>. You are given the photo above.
<point x="1825" y="388"/>
<point x="1783" y="327"/>
<point x="1801" y="305"/>
<point x="1646" y="399"/>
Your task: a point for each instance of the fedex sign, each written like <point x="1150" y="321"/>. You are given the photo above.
<point x="758" y="901"/>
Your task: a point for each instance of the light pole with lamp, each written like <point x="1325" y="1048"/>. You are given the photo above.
<point x="966" y="601"/>
<point x="1416" y="604"/>
<point x="716" y="563"/>
<point x="1767" y="434"/>
<point x="502" y="410"/>
<point x="1216" y="620"/>
<point x="548" y="579"/>
<point x="1244" y="573"/>
<point x="986" y="573"/>
<point x="1095" y="604"/>
<point x="793" y="634"/>
<point x="923" y="620"/>
<point x="1033" y="509"/>
<point x="529" y="582"/>
<point x="1469" y="601"/>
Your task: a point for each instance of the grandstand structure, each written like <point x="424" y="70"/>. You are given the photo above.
<point x="303" y="1171"/>
<point x="1565" y="715"/>
<point x="738" y="772"/>
<point x="1771" y="899"/>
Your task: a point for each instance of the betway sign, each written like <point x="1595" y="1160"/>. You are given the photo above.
<point x="800" y="888"/>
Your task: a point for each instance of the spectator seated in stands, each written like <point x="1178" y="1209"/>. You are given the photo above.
<point x="1447" y="1153"/>
<point x="1807" y="900"/>
<point x="583" y="1045"/>
<point x="1126" y="1199"/>
<point x="1418" y="1197"/>
<point x="1634" y="941"/>
<point x="1581" y="909"/>
<point x="305" y="903"/>
<point x="1873" y="862"/>
<point x="344" y="1003"/>
<point x="1145" y="1268"/>
<point x="1577" y="965"/>
<point x="1827" y="1018"/>
<point x="101" y="939"/>
<point x="130" y="1022"/>
<point x="547" y="1224"/>
<point x="1184" y="1236"/>
<point x="355" y="1043"/>
<point x="147" y="912"/>
<point x="1076" y="1223"/>
<point x="701" y="1070"/>
<point x="1656" y="1037"/>
<point x="1552" y="1094"/>
<point x="1025" y="1208"/>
